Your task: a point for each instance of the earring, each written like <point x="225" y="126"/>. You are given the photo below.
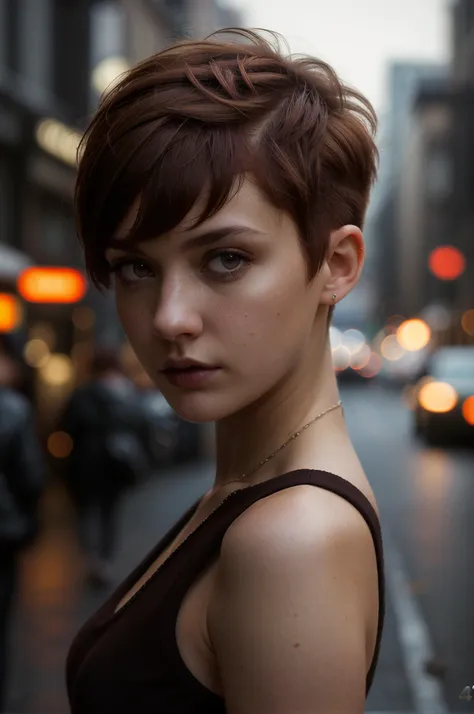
<point x="334" y="296"/>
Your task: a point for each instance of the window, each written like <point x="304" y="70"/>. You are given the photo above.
<point x="438" y="175"/>
<point x="35" y="42"/>
<point x="3" y="34"/>
<point x="107" y="31"/>
<point x="8" y="33"/>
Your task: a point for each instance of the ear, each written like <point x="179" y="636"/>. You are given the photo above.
<point x="344" y="262"/>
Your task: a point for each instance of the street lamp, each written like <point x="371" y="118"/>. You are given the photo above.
<point x="107" y="73"/>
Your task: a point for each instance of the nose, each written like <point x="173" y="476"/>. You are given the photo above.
<point x="177" y="313"/>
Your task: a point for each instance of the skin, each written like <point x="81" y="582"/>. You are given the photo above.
<point x="303" y="557"/>
<point x="265" y="325"/>
<point x="297" y="572"/>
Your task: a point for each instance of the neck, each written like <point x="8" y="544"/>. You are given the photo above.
<point x="247" y="437"/>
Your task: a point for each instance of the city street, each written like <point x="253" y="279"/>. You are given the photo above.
<point x="426" y="497"/>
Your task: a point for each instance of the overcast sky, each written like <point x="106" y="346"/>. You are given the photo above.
<point x="358" y="37"/>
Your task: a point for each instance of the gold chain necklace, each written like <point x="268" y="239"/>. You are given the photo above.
<point x="290" y="439"/>
<point x="200" y="525"/>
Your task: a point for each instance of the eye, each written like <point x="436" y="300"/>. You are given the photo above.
<point x="227" y="263"/>
<point x="131" y="271"/>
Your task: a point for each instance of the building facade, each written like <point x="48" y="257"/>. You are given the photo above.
<point x="43" y="98"/>
<point x="461" y="99"/>
<point x="425" y="197"/>
<point x="399" y="129"/>
<point x="423" y="201"/>
<point x="434" y="205"/>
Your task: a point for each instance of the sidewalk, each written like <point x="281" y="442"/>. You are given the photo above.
<point x="53" y="601"/>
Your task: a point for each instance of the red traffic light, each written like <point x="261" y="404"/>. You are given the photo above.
<point x="447" y="262"/>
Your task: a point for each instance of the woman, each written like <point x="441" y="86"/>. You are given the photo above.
<point x="224" y="187"/>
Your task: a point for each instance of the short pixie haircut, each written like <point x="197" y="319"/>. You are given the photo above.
<point x="189" y="122"/>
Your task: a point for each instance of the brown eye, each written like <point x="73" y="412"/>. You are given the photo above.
<point x="132" y="271"/>
<point x="227" y="263"/>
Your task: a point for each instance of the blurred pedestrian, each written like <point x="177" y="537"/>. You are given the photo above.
<point x="104" y="420"/>
<point x="222" y="186"/>
<point x="14" y="372"/>
<point x="21" y="486"/>
<point x="9" y="368"/>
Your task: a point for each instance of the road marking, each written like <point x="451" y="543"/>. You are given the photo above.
<point x="414" y="635"/>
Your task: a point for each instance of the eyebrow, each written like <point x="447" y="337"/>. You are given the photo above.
<point x="204" y="239"/>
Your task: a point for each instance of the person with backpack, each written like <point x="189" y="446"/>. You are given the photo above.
<point x="104" y="420"/>
<point x="22" y="478"/>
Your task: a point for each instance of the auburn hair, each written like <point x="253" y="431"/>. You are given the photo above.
<point x="190" y="121"/>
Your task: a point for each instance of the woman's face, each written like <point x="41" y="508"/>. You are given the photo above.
<point x="232" y="295"/>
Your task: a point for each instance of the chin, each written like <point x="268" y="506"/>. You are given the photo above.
<point x="201" y="407"/>
<point x="197" y="410"/>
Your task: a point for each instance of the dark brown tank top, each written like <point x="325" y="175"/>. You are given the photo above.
<point x="129" y="661"/>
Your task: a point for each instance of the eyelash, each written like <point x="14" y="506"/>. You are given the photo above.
<point x="116" y="266"/>
<point x="229" y="274"/>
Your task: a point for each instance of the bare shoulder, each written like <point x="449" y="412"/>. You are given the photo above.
<point x="296" y="517"/>
<point x="298" y="532"/>
<point x="297" y="570"/>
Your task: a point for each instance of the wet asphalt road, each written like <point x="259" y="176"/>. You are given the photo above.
<point x="426" y="498"/>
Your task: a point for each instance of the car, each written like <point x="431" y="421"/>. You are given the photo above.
<point x="444" y="396"/>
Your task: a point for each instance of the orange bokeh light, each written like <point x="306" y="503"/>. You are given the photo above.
<point x="10" y="312"/>
<point x="60" y="444"/>
<point x="59" y="285"/>
<point x="413" y="335"/>
<point x="447" y="262"/>
<point x="468" y="322"/>
<point x="468" y="410"/>
<point x="438" y="397"/>
<point x="373" y="367"/>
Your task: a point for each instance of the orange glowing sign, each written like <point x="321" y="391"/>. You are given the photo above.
<point x="447" y="262"/>
<point x="61" y="285"/>
<point x="10" y="312"/>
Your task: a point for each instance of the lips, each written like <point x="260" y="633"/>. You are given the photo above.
<point x="189" y="374"/>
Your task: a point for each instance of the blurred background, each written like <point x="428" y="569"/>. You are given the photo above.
<point x="403" y="341"/>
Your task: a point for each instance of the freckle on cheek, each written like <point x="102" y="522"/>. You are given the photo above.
<point x="297" y="644"/>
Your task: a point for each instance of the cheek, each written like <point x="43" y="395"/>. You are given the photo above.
<point x="125" y="313"/>
<point x="272" y="325"/>
<point x="135" y="321"/>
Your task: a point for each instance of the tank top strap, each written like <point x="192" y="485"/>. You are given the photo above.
<point x="240" y="500"/>
<point x="208" y="538"/>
